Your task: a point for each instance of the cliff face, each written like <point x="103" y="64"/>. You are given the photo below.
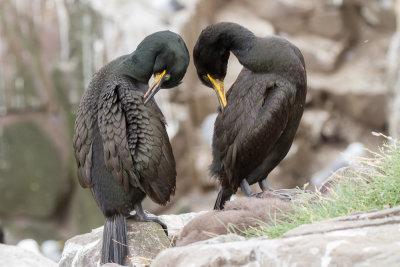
<point x="50" y="49"/>
<point x="393" y="111"/>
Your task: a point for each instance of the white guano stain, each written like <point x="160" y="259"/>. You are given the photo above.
<point x="369" y="249"/>
<point x="314" y="251"/>
<point x="326" y="259"/>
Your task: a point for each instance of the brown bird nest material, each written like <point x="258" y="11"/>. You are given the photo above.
<point x="242" y="213"/>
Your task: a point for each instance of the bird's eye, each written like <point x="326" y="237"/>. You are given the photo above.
<point x="205" y="78"/>
<point x="167" y="77"/>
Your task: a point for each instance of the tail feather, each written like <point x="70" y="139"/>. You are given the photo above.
<point x="114" y="247"/>
<point x="223" y="195"/>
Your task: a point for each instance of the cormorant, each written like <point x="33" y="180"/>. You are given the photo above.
<point x="121" y="145"/>
<point x="259" y="117"/>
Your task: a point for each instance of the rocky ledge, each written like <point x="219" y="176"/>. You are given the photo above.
<point x="363" y="239"/>
<point x="145" y="241"/>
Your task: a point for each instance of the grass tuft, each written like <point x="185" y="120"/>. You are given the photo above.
<point x="375" y="184"/>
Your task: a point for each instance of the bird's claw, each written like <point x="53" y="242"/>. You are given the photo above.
<point x="271" y="193"/>
<point x="148" y="217"/>
<point x="254" y="195"/>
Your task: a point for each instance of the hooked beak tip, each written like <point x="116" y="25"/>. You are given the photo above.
<point x="218" y="86"/>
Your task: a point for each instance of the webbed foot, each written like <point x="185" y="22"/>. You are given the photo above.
<point x="144" y="216"/>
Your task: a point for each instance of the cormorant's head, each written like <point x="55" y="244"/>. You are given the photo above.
<point x="171" y="62"/>
<point x="163" y="54"/>
<point x="210" y="55"/>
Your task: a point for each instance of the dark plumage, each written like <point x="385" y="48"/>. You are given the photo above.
<point x="121" y="145"/>
<point x="255" y="129"/>
<point x="1" y="234"/>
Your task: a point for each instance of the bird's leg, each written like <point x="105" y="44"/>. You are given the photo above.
<point x="264" y="185"/>
<point x="144" y="216"/>
<point x="244" y="185"/>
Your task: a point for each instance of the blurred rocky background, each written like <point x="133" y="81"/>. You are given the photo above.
<point x="49" y="50"/>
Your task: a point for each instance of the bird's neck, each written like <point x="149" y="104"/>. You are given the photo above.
<point x="269" y="54"/>
<point x="236" y="38"/>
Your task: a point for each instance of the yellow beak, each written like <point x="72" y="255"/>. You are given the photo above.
<point x="154" y="87"/>
<point x="219" y="88"/>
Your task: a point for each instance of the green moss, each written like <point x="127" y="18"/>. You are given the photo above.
<point x="32" y="179"/>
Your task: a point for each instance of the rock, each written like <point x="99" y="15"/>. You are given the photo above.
<point x="145" y="241"/>
<point x="34" y="175"/>
<point x="286" y="16"/>
<point x="52" y="249"/>
<point x="63" y="42"/>
<point x="357" y="172"/>
<point x="367" y="239"/>
<point x="237" y="215"/>
<point x="377" y="14"/>
<point x="327" y="22"/>
<point x="84" y="211"/>
<point x="194" y="201"/>
<point x="355" y="222"/>
<point x="222" y="239"/>
<point x="239" y="13"/>
<point x="12" y="256"/>
<point x="393" y="98"/>
<point x="358" y="88"/>
<point x="175" y="223"/>
<point x="313" y="122"/>
<point x="207" y="129"/>
<point x="32" y="168"/>
<point x="320" y="54"/>
<point x="348" y="156"/>
<point x="29" y="244"/>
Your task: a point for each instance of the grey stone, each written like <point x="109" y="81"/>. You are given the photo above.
<point x="175" y="223"/>
<point x="12" y="256"/>
<point x="353" y="151"/>
<point x="378" y="14"/>
<point x="145" y="241"/>
<point x="358" y="88"/>
<point x="222" y="239"/>
<point x="357" y="172"/>
<point x="84" y="213"/>
<point x="347" y="223"/>
<point x="240" y="13"/>
<point x="369" y="239"/>
<point x="286" y="16"/>
<point x="313" y="122"/>
<point x="393" y="98"/>
<point x="327" y="22"/>
<point x="320" y="53"/>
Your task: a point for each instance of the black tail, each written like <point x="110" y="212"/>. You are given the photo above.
<point x="114" y="240"/>
<point x="223" y="195"/>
